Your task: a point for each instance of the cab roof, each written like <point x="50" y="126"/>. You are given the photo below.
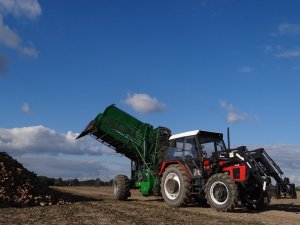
<point x="195" y="132"/>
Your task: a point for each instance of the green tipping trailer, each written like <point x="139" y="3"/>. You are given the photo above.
<point x="144" y="145"/>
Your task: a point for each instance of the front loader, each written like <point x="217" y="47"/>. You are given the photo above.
<point x="193" y="166"/>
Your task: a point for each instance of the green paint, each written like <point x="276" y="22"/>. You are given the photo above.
<point x="138" y="141"/>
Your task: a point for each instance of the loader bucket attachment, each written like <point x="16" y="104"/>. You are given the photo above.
<point x="285" y="189"/>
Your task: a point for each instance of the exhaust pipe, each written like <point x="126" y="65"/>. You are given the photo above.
<point x="228" y="138"/>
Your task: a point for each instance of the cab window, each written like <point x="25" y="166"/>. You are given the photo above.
<point x="207" y="149"/>
<point x="190" y="148"/>
<point x="175" y="150"/>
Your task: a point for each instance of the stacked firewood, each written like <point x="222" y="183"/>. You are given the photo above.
<point x="20" y="187"/>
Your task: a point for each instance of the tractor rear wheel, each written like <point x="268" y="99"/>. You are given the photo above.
<point x="175" y="186"/>
<point x="121" y="187"/>
<point x="221" y="192"/>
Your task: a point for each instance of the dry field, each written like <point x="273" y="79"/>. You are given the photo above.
<point x="95" y="206"/>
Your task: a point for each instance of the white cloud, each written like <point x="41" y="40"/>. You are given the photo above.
<point x="280" y="52"/>
<point x="233" y="117"/>
<point x="144" y="103"/>
<point x="11" y="39"/>
<point x="54" y="154"/>
<point x="25" y="107"/>
<point x="289" y="29"/>
<point x="7" y="36"/>
<point x="289" y="53"/>
<point x="245" y="69"/>
<point x="18" y="8"/>
<point x="29" y="51"/>
<point x="42" y="140"/>
<point x="227" y="106"/>
<point x="21" y="8"/>
<point x="272" y="48"/>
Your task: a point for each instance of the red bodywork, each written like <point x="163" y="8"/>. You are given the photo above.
<point x="236" y="172"/>
<point x="240" y="174"/>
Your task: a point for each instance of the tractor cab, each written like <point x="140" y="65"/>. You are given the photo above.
<point x="196" y="149"/>
<point x="195" y="144"/>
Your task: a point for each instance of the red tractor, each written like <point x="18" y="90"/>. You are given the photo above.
<point x="186" y="167"/>
<point x="198" y="165"/>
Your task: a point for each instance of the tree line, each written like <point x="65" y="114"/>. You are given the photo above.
<point x="73" y="182"/>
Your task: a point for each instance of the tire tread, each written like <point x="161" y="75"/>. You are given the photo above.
<point x="232" y="188"/>
<point x="123" y="187"/>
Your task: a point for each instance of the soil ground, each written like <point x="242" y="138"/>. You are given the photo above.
<point x="94" y="205"/>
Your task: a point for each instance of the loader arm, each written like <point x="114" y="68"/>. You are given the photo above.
<point x="283" y="188"/>
<point x="263" y="168"/>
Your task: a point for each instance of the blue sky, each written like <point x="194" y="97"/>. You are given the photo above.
<point x="181" y="64"/>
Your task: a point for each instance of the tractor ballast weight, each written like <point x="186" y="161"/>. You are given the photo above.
<point x="144" y="145"/>
<point x="191" y="165"/>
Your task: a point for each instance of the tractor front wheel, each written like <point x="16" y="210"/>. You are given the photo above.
<point x="175" y="186"/>
<point x="221" y="192"/>
<point x="121" y="187"/>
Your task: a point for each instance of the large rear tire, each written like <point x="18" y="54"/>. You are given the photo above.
<point x="221" y="192"/>
<point x="121" y="187"/>
<point x="175" y="186"/>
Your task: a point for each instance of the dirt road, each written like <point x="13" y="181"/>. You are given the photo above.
<point x="95" y="206"/>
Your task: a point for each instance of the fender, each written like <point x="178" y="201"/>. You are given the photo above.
<point x="167" y="163"/>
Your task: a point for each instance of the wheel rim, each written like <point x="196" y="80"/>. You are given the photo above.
<point x="219" y="193"/>
<point x="172" y="186"/>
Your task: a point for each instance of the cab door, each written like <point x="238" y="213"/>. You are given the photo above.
<point x="192" y="157"/>
<point x="206" y="151"/>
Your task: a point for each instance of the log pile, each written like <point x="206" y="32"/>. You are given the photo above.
<point x="20" y="187"/>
